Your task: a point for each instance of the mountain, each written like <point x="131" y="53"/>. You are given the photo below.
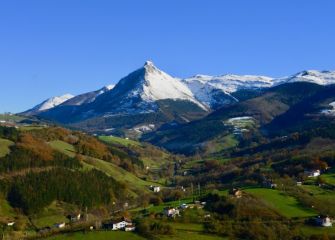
<point x="245" y="116"/>
<point x="207" y="88"/>
<point x="314" y="111"/>
<point x="87" y="97"/>
<point x="48" y="104"/>
<point x="139" y="91"/>
<point x="312" y="76"/>
<point x="147" y="96"/>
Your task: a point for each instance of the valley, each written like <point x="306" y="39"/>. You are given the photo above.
<point x="173" y="164"/>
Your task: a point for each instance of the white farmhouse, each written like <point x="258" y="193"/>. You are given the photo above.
<point x="171" y="212"/>
<point x="313" y="173"/>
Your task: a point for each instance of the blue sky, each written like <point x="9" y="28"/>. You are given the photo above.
<point x="53" y="47"/>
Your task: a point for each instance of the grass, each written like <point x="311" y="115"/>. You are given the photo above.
<point x="13" y="118"/>
<point x="151" y="161"/>
<point x="285" y="205"/>
<point x="31" y="127"/>
<point x="319" y="193"/>
<point x="4" y="147"/>
<point x="119" y="174"/>
<point x="6" y="211"/>
<point x="221" y="144"/>
<point x="118" y="140"/>
<point x="329" y="178"/>
<point x="183" y="231"/>
<point x="55" y="213"/>
<point x="110" y="169"/>
<point x="310" y="230"/>
<point x="63" y="147"/>
<point x="186" y="231"/>
<point x="98" y="236"/>
<point x="190" y="235"/>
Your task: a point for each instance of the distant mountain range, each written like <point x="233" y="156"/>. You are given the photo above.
<point x="149" y="99"/>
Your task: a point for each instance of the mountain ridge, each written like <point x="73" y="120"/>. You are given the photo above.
<point x="156" y="98"/>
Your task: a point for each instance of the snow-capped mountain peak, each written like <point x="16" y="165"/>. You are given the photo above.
<point x="312" y="76"/>
<point x="150" y="84"/>
<point x="149" y="63"/>
<point x="49" y="103"/>
<point x="160" y="85"/>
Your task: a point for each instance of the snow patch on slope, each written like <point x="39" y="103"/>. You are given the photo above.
<point x="312" y="76"/>
<point x="229" y="83"/>
<point x="205" y="87"/>
<point x="330" y="112"/>
<point x="52" y="102"/>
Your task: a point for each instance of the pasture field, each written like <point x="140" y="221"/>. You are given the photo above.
<point x="320" y="193"/>
<point x="63" y="147"/>
<point x="6" y="211"/>
<point x="55" y="213"/>
<point x="4" y="147"/>
<point x="13" y="117"/>
<point x="187" y="231"/>
<point x="110" y="169"/>
<point x="118" y="140"/>
<point x="183" y="231"/>
<point x="285" y="205"/>
<point x="329" y="178"/>
<point x="310" y="230"/>
<point x="101" y="235"/>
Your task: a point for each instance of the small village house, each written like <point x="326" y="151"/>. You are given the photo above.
<point x="171" y="212"/>
<point x="324" y="221"/>
<point x="10" y="224"/>
<point x="155" y="189"/>
<point x="74" y="217"/>
<point x="183" y="206"/>
<point x="313" y="173"/>
<point x="60" y="225"/>
<point x="130" y="228"/>
<point x="235" y="192"/>
<point x="118" y="224"/>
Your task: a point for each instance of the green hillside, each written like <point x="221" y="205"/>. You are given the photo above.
<point x="4" y="147"/>
<point x="285" y="205"/>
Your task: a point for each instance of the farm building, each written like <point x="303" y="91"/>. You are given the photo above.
<point x="130" y="228"/>
<point x="155" y="189"/>
<point x="171" y="212"/>
<point x="74" y="217"/>
<point x="60" y="225"/>
<point x="118" y="224"/>
<point x="10" y="224"/>
<point x="324" y="221"/>
<point x="235" y="192"/>
<point x="313" y="173"/>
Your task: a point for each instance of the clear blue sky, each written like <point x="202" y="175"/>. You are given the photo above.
<point x="52" y="47"/>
